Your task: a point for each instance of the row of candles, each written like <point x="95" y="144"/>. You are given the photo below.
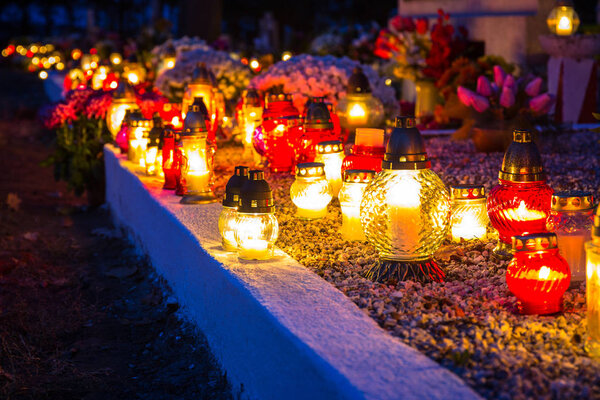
<point x="388" y="195"/>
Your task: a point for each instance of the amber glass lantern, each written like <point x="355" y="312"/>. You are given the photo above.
<point x="359" y="108"/>
<point x="251" y="118"/>
<point x="310" y="191"/>
<point x="405" y="211"/>
<point x="367" y="152"/>
<point x="153" y="156"/>
<point x="571" y="219"/>
<point x="593" y="289"/>
<point x="520" y="204"/>
<point x="168" y="60"/>
<point x="469" y="218"/>
<point x="331" y="154"/>
<point x="318" y="127"/>
<point x="196" y="159"/>
<point x="538" y="275"/>
<point x="201" y="85"/>
<point x="139" y="128"/>
<point x="563" y="20"/>
<point x="123" y="100"/>
<point x="350" y="196"/>
<point x="256" y="225"/>
<point x="228" y="216"/>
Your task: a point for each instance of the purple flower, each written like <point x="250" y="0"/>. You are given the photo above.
<point x="533" y="88"/>
<point x="472" y="99"/>
<point x="465" y="95"/>
<point x="499" y="75"/>
<point x="480" y="103"/>
<point x="542" y="103"/>
<point x="507" y="97"/>
<point x="483" y="86"/>
<point x="509" y="82"/>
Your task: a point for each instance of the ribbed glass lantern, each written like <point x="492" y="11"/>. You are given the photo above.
<point x="310" y="191"/>
<point x="469" y="219"/>
<point x="405" y="211"/>
<point x="359" y="108"/>
<point x="228" y="216"/>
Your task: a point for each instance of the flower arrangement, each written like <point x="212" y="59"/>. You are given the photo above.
<point x="355" y="41"/>
<point x="81" y="132"/>
<point x="420" y="51"/>
<point x="232" y="76"/>
<point x="304" y="76"/>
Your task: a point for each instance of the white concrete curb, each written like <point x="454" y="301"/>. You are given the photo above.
<point x="279" y="330"/>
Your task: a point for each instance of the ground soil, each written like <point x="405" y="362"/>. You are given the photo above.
<point x="82" y="316"/>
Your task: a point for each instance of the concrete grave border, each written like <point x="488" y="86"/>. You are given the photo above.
<point x="279" y="330"/>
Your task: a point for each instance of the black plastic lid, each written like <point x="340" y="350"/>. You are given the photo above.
<point x="256" y="195"/>
<point x="358" y="82"/>
<point x="234" y="186"/>
<point x="201" y="75"/>
<point x="317" y="114"/>
<point x="252" y="98"/>
<point x="194" y="123"/>
<point x="406" y="148"/>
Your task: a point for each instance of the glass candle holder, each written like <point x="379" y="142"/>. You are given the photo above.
<point x="563" y="20"/>
<point x="318" y="127"/>
<point x="197" y="159"/>
<point x="538" y="275"/>
<point x="251" y="116"/>
<point x="228" y="216"/>
<point x="359" y="108"/>
<point x="202" y="85"/>
<point x="123" y="100"/>
<point x="122" y="138"/>
<point x="153" y="155"/>
<point x="331" y="154"/>
<point x="350" y="196"/>
<point x="521" y="203"/>
<point x="368" y="150"/>
<point x="592" y="343"/>
<point x="169" y="158"/>
<point x="280" y="128"/>
<point x="256" y="225"/>
<point x="310" y="191"/>
<point x="469" y="218"/>
<point x="405" y="210"/>
<point x="571" y="219"/>
<point x="139" y="128"/>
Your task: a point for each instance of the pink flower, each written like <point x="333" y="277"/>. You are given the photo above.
<point x="483" y="86"/>
<point x="509" y="82"/>
<point x="499" y="75"/>
<point x="533" y="88"/>
<point x="542" y="103"/>
<point x="507" y="97"/>
<point x="465" y="96"/>
<point x="480" y="103"/>
<point x="472" y="99"/>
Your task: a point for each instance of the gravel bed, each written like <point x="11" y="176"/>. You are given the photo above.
<point x="469" y="323"/>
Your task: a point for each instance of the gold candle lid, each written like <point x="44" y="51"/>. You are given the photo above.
<point x="359" y="175"/>
<point x="310" y="170"/>
<point x="522" y="161"/>
<point x="467" y="192"/>
<point x="330" y="147"/>
<point x="572" y="200"/>
<point x="535" y="242"/>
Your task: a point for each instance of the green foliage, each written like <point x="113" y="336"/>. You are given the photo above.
<point x="78" y="158"/>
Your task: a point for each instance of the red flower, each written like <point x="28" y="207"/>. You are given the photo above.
<point x="422" y="26"/>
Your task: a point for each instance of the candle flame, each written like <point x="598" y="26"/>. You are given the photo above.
<point x="522" y="213"/>
<point x="564" y="23"/>
<point x="357" y="111"/>
<point x="544" y="273"/>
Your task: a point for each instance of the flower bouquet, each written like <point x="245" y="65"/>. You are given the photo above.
<point x="355" y="41"/>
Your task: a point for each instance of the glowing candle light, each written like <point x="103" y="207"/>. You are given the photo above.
<point x="310" y="191"/>
<point x="359" y="108"/>
<point x="592" y="344"/>
<point x="367" y="152"/>
<point x="202" y="85"/>
<point x="251" y="118"/>
<point x="139" y="127"/>
<point x="228" y="216"/>
<point x="469" y="215"/>
<point x="123" y="100"/>
<point x="169" y="159"/>
<point x="563" y="20"/>
<point x="351" y="193"/>
<point x="153" y="157"/>
<point x="538" y="275"/>
<point x="405" y="210"/>
<point x="331" y="154"/>
<point x="520" y="204"/>
<point x="256" y="226"/>
<point x="571" y="219"/>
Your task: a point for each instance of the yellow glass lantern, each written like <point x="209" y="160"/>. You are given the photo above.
<point x="256" y="225"/>
<point x="153" y="156"/>
<point x="123" y="100"/>
<point x="359" y="108"/>
<point x="350" y="196"/>
<point x="405" y="210"/>
<point x="592" y="247"/>
<point x="231" y="200"/>
<point x="139" y="128"/>
<point x="197" y="159"/>
<point x="310" y="191"/>
<point x="563" y="20"/>
<point x="469" y="219"/>
<point x="116" y="58"/>
<point x="331" y="154"/>
<point x="252" y="118"/>
<point x="200" y="86"/>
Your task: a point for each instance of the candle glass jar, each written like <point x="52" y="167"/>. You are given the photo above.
<point x="563" y="20"/>
<point x="153" y="156"/>
<point x="122" y="138"/>
<point x="139" y="128"/>
<point x="123" y="100"/>
<point x="202" y="86"/>
<point x="538" y="275"/>
<point x="251" y="115"/>
<point x="592" y="343"/>
<point x="571" y="219"/>
<point x="331" y="154"/>
<point x="368" y="150"/>
<point x="318" y="127"/>
<point x="228" y="216"/>
<point x="405" y="210"/>
<point x="169" y="158"/>
<point x="469" y="219"/>
<point x="350" y="196"/>
<point x="256" y="225"/>
<point x="359" y="108"/>
<point x="521" y="203"/>
<point x="310" y="191"/>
